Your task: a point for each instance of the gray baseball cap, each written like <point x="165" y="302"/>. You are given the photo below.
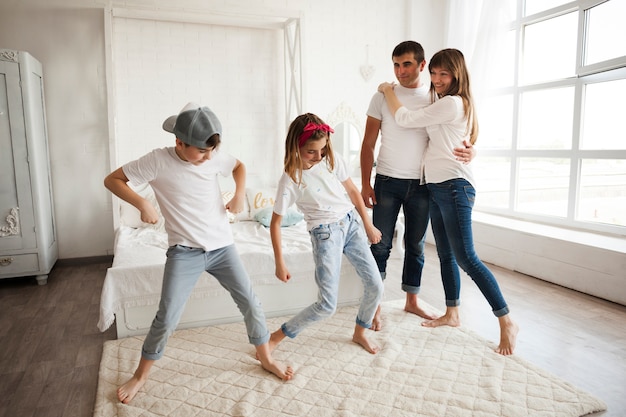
<point x="194" y="125"/>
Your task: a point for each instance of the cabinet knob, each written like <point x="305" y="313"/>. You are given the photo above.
<point x="6" y="261"/>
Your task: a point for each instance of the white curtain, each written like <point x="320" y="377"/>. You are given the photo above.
<point x="478" y="28"/>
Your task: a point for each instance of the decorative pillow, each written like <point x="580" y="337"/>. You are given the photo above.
<point x="264" y="216"/>
<point x="245" y="213"/>
<point x="260" y="199"/>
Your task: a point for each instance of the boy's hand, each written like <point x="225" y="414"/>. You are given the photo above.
<point x="148" y="213"/>
<point x="236" y="204"/>
<point x="282" y="273"/>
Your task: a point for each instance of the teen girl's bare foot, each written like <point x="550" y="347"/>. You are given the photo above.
<point x="127" y="392"/>
<point x="359" y="338"/>
<point x="377" y="322"/>
<point x="451" y="318"/>
<point x="411" y="306"/>
<point x="508" y="336"/>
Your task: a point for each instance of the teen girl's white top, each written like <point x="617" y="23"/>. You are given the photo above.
<point x="401" y="148"/>
<point x="188" y="195"/>
<point x="321" y="196"/>
<point x="446" y="125"/>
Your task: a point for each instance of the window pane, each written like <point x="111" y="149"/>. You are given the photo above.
<point x="543" y="186"/>
<point x="503" y="74"/>
<point x="603" y="116"/>
<point x="605" y="24"/>
<point x="550" y="49"/>
<point x="546" y="119"/>
<point x="495" y="122"/>
<point x="493" y="181"/>
<point x="602" y="191"/>
<point x="536" y="6"/>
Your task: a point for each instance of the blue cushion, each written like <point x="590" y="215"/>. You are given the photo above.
<point x="264" y="216"/>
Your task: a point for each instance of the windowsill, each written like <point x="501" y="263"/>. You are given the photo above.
<point x="600" y="241"/>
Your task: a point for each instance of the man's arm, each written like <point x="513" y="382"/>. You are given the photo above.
<point x="372" y="127"/>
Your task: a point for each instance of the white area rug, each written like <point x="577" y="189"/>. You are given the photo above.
<point x="418" y="372"/>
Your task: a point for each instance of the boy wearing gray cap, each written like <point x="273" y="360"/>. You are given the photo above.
<point x="185" y="183"/>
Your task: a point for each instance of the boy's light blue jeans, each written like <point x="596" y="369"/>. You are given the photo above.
<point x="182" y="270"/>
<point x="451" y="216"/>
<point x="330" y="242"/>
<point x="391" y="194"/>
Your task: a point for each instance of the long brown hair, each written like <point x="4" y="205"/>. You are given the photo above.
<point x="452" y="60"/>
<point x="293" y="162"/>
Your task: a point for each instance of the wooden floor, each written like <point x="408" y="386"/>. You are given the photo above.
<point x="50" y="348"/>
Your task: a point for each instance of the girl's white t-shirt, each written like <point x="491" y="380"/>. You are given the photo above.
<point x="321" y="197"/>
<point x="446" y="125"/>
<point x="189" y="196"/>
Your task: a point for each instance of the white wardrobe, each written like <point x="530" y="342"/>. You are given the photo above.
<point x="28" y="243"/>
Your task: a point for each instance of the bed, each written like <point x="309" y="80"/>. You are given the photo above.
<point x="132" y="285"/>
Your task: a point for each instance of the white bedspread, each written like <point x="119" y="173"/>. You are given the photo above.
<point x="136" y="275"/>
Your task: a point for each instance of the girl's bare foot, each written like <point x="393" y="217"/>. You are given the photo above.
<point x="359" y="338"/>
<point x="377" y="322"/>
<point x="508" y="336"/>
<point x="127" y="392"/>
<point x="451" y="318"/>
<point x="411" y="306"/>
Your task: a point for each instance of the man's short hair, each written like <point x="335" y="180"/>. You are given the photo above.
<point x="409" y="47"/>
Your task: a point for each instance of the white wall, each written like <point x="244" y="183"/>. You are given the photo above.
<point x="68" y="37"/>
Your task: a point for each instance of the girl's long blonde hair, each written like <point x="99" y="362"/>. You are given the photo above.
<point x="452" y="60"/>
<point x="293" y="162"/>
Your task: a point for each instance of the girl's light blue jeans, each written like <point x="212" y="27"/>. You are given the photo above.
<point x="330" y="242"/>
<point x="451" y="218"/>
<point x="182" y="270"/>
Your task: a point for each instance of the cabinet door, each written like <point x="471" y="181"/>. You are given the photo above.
<point x="17" y="227"/>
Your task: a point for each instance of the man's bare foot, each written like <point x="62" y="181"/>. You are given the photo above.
<point x="451" y="318"/>
<point x="508" y="336"/>
<point x="377" y="322"/>
<point x="127" y="392"/>
<point x="359" y="338"/>
<point x="412" y="306"/>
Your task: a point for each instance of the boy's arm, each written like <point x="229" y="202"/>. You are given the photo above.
<point x="372" y="127"/>
<point x="117" y="183"/>
<point x="373" y="234"/>
<point x="236" y="204"/>
<point x="282" y="273"/>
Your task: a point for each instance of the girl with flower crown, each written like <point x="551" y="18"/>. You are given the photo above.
<point x="317" y="181"/>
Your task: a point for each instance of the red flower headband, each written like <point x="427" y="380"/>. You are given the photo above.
<point x="309" y="129"/>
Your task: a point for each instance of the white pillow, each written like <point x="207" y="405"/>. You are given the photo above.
<point x="260" y="199"/>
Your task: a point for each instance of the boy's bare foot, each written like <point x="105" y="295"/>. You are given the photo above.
<point x="359" y="338"/>
<point x="264" y="355"/>
<point x="451" y="318"/>
<point x="508" y="336"/>
<point x="127" y="392"/>
<point x="412" y="306"/>
<point x="281" y="371"/>
<point x="377" y="322"/>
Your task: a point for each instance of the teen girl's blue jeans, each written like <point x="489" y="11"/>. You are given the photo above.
<point x="451" y="217"/>
<point x="391" y="194"/>
<point x="330" y="242"/>
<point x="182" y="270"/>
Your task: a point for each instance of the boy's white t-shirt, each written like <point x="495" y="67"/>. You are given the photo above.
<point x="321" y="197"/>
<point x="401" y="148"/>
<point x="188" y="195"/>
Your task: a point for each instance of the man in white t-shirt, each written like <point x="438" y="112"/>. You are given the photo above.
<point x="185" y="182"/>
<point x="399" y="174"/>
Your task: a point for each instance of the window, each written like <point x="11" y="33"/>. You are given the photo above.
<point x="551" y="145"/>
